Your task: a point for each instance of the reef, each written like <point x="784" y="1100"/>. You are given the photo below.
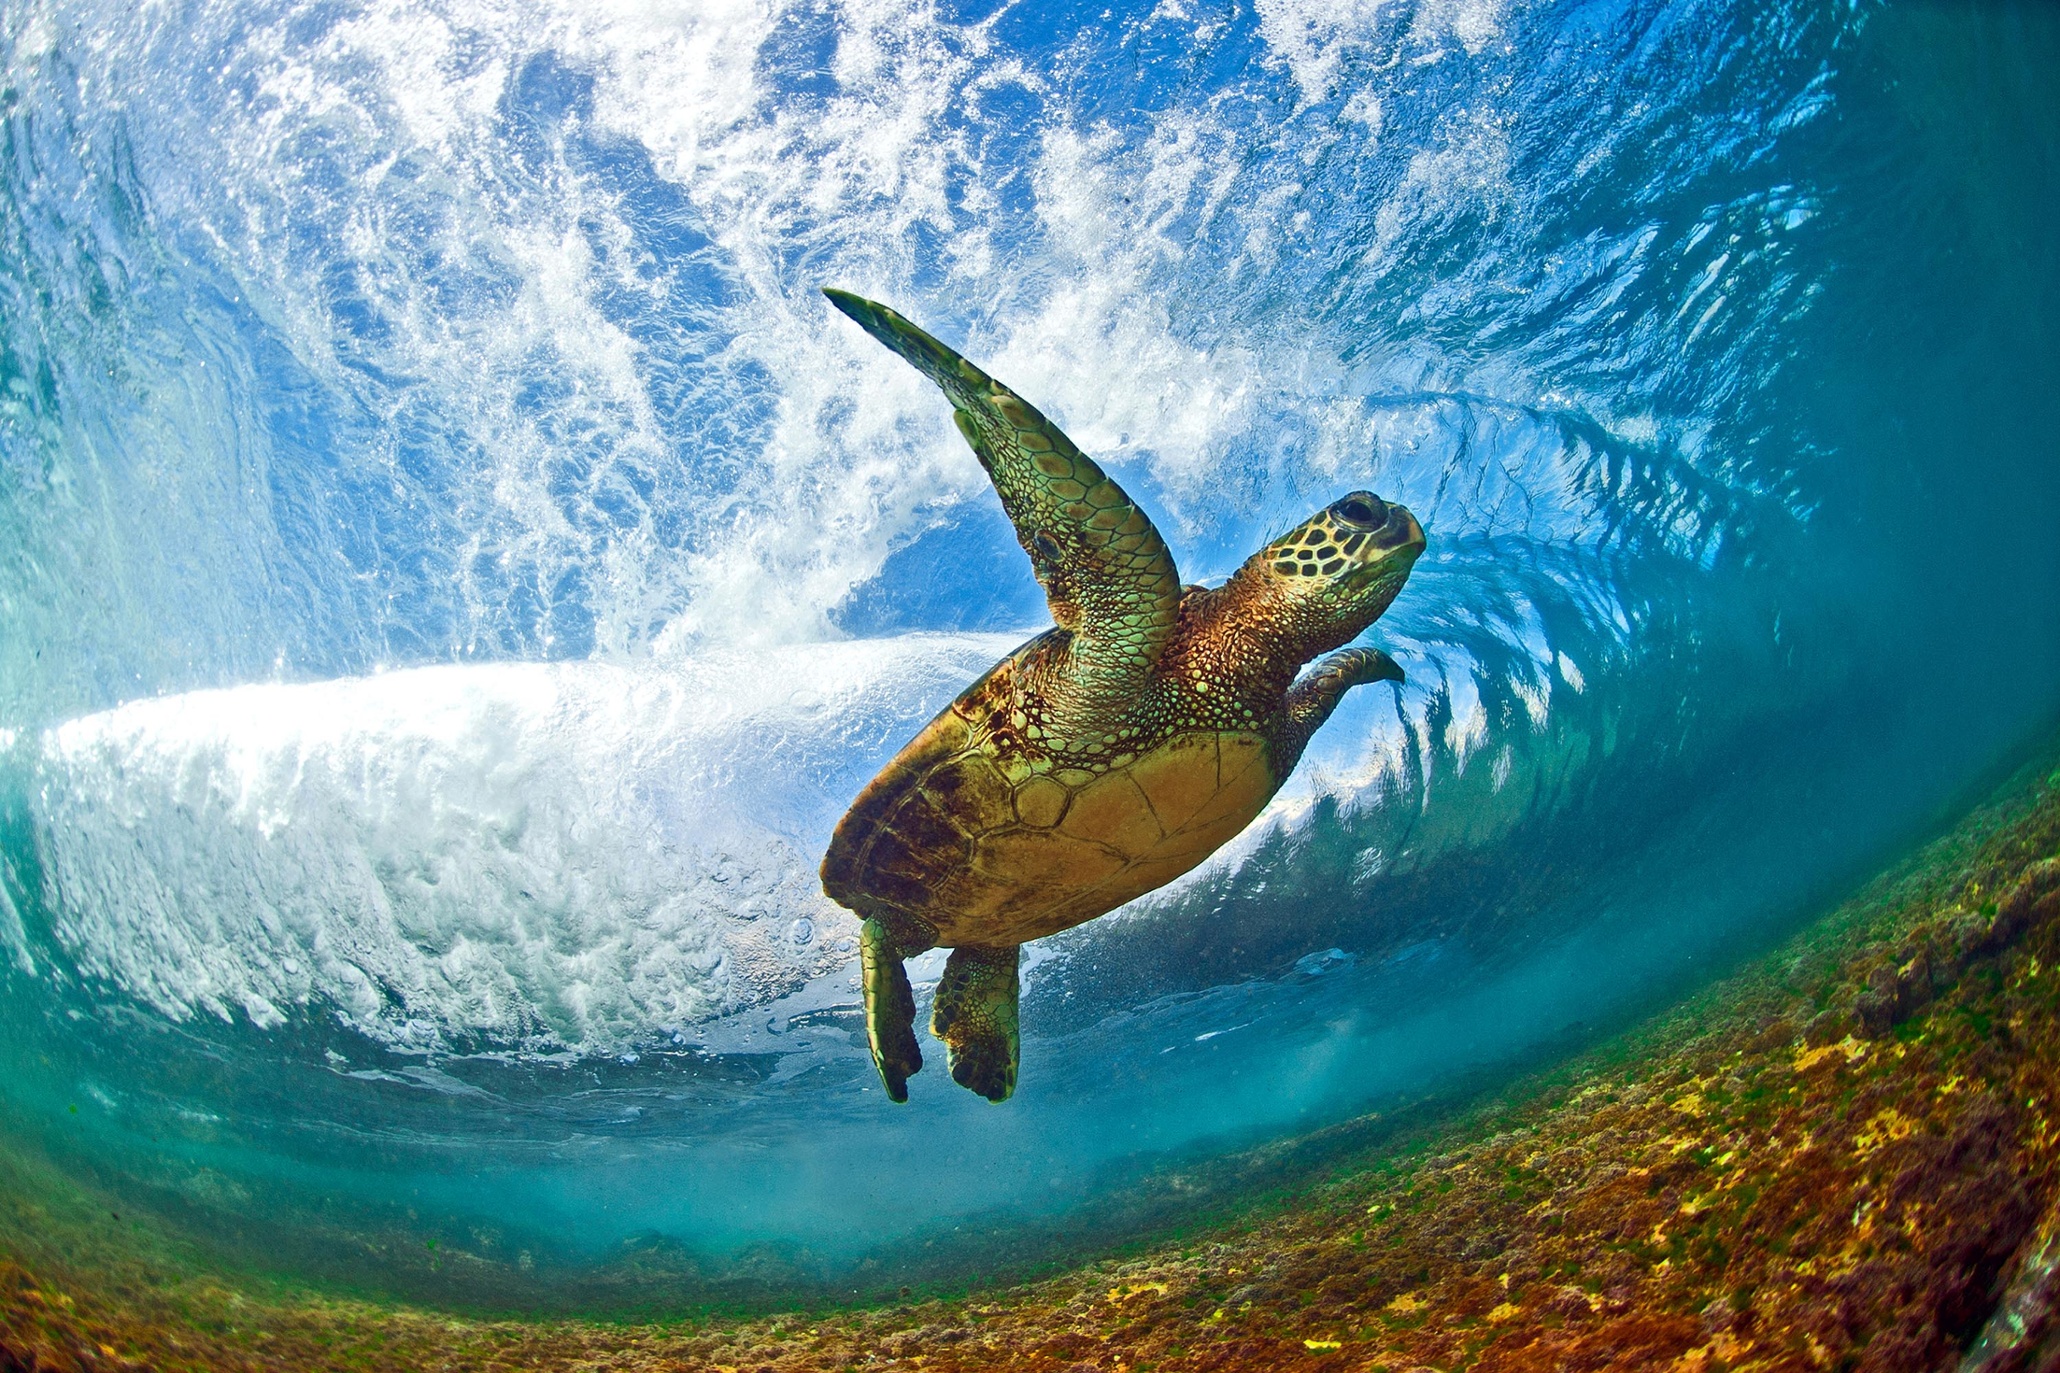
<point x="1842" y="1155"/>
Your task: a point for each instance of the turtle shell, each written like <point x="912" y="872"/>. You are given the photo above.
<point x="993" y="841"/>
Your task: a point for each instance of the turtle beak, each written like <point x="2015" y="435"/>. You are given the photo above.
<point x="1401" y="532"/>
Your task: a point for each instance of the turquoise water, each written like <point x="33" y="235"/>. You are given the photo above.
<point x="455" y="569"/>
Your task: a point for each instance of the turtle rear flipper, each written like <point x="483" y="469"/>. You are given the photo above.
<point x="975" y="1015"/>
<point x="890" y="1010"/>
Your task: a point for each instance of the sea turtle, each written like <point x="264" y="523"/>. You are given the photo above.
<point x="1109" y="754"/>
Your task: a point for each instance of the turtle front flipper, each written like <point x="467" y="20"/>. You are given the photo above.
<point x="1107" y="574"/>
<point x="890" y="1010"/>
<point x="975" y="1015"/>
<point x="1311" y="700"/>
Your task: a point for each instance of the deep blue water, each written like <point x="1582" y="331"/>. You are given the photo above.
<point x="455" y="569"/>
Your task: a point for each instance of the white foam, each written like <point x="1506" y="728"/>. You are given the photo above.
<point x="486" y="270"/>
<point x="1312" y="38"/>
<point x="1466" y="171"/>
<point x="439" y="243"/>
<point x="583" y="857"/>
<point x="14" y="935"/>
<point x="577" y="856"/>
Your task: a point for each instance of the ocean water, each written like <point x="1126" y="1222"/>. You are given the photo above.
<point x="455" y="569"/>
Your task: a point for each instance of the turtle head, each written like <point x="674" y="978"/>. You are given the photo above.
<point x="1318" y="585"/>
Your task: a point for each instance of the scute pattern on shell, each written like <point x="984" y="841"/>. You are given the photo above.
<point x="988" y="835"/>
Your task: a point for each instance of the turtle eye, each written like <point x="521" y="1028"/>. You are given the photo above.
<point x="1361" y="510"/>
